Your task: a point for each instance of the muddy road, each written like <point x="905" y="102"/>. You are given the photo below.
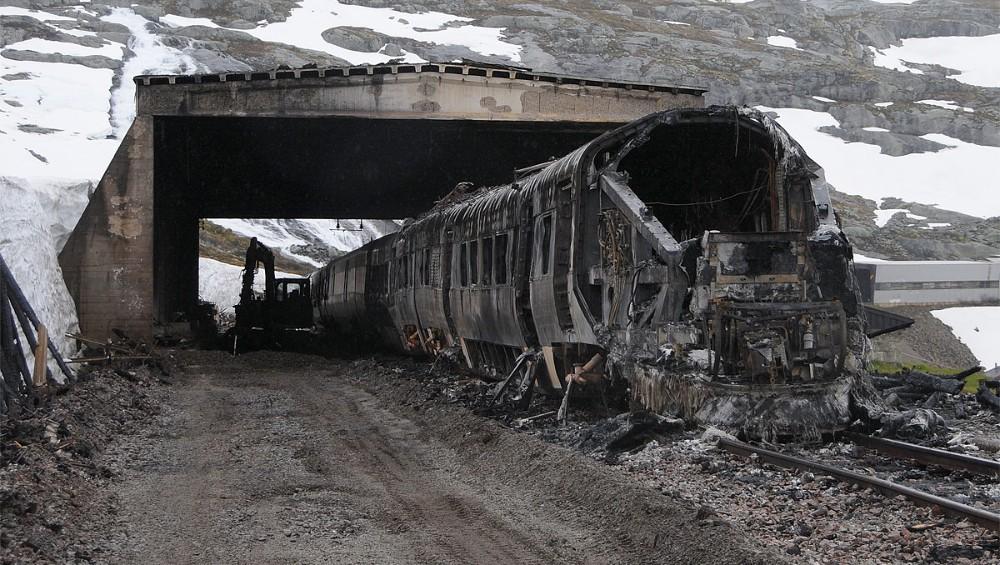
<point x="283" y="459"/>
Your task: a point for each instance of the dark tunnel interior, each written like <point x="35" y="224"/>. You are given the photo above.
<point x="698" y="177"/>
<point x="325" y="167"/>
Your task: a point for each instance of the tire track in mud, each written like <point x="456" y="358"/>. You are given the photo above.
<point x="450" y="527"/>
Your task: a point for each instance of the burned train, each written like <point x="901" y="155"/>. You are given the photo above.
<point x="693" y="254"/>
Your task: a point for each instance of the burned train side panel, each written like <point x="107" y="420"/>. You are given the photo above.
<point x="695" y="250"/>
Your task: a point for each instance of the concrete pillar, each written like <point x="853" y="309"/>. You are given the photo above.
<point x="108" y="260"/>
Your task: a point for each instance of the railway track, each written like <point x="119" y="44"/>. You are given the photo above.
<point x="928" y="455"/>
<point x="984" y="518"/>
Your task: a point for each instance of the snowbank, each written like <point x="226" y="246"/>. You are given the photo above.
<point x="34" y="216"/>
<point x="978" y="327"/>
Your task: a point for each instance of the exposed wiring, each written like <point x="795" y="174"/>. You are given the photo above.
<point x="705" y="202"/>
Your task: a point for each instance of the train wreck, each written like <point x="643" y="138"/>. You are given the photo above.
<point x="692" y="256"/>
<point x="745" y="313"/>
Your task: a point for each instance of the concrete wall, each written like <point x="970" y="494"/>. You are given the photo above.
<point x="108" y="262"/>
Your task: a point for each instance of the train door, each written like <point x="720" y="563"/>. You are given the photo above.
<point x="543" y="296"/>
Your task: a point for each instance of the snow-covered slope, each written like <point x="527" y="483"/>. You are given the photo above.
<point x="310" y="241"/>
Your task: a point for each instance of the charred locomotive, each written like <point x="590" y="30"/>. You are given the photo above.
<point x="693" y="253"/>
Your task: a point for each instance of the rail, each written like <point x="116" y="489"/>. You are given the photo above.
<point x="984" y="518"/>
<point x="928" y="455"/>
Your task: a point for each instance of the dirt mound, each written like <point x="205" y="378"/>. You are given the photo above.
<point x="49" y="469"/>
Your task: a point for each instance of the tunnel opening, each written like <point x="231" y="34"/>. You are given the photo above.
<point x="696" y="177"/>
<point x="320" y="167"/>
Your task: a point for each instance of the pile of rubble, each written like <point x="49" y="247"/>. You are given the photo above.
<point x="49" y="470"/>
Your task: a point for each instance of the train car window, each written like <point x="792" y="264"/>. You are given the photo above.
<point x="463" y="263"/>
<point x="474" y="261"/>
<point x="544" y="242"/>
<point x="425" y="268"/>
<point x="487" y="244"/>
<point x="500" y="258"/>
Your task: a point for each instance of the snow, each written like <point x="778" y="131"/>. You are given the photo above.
<point x="947" y="104"/>
<point x="885" y="60"/>
<point x="181" y="21"/>
<point x="34" y="219"/>
<point x="679" y="23"/>
<point x="883" y="104"/>
<point x="219" y="283"/>
<point x="957" y="178"/>
<point x="934" y="225"/>
<point x="978" y="327"/>
<point x="151" y="57"/>
<point x="282" y="234"/>
<point x="975" y="58"/>
<point x="823" y="99"/>
<point x="37" y="14"/>
<point x="307" y="22"/>
<point x="112" y="51"/>
<point x="782" y="41"/>
<point x="875" y="129"/>
<point x="894" y="1"/>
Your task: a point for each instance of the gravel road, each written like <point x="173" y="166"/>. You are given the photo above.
<point x="281" y="459"/>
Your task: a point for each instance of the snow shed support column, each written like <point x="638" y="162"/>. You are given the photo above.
<point x="108" y="260"/>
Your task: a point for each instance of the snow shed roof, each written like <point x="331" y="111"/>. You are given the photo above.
<point x="469" y="68"/>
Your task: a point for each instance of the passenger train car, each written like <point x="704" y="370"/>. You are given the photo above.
<point x="693" y="253"/>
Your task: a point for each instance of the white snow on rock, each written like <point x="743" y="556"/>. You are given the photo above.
<point x="978" y="327"/>
<point x="219" y="283"/>
<point x="872" y="128"/>
<point x="151" y="56"/>
<point x="39" y="45"/>
<point x="960" y="177"/>
<point x="887" y="61"/>
<point x="783" y="41"/>
<point x="883" y="104"/>
<point x="37" y="14"/>
<point x="975" y="58"/>
<point x="947" y="104"/>
<point x="307" y="22"/>
<point x="935" y="225"/>
<point x="823" y="99"/>
<point x="181" y="21"/>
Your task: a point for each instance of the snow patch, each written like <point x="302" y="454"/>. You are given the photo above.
<point x="883" y="104"/>
<point x="39" y="45"/>
<point x="935" y="225"/>
<point x="782" y="41"/>
<point x="947" y="104"/>
<point x="887" y="61"/>
<point x="872" y="128"/>
<point x="37" y="14"/>
<point x="958" y="178"/>
<point x="679" y="23"/>
<point x="978" y="327"/>
<point x="975" y="58"/>
<point x="307" y="22"/>
<point x="180" y="21"/>
<point x="823" y="99"/>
